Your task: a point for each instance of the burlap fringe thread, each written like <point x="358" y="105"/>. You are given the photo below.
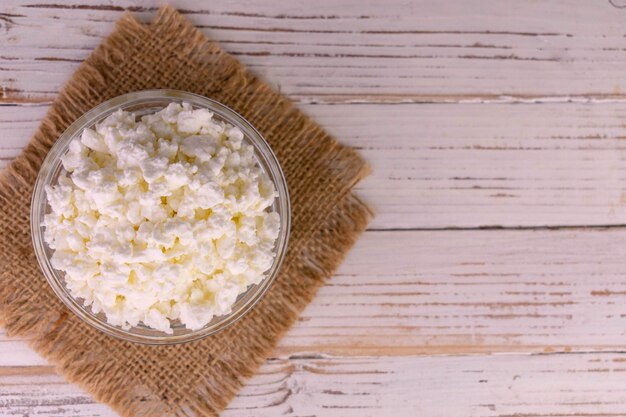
<point x="200" y="378"/>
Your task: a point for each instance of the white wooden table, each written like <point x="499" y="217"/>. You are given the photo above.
<point x="493" y="280"/>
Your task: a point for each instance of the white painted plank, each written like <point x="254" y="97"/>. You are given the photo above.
<point x="372" y="51"/>
<point x="438" y="166"/>
<point x="404" y="293"/>
<point x="464" y="165"/>
<point x="471" y="291"/>
<point x="38" y="391"/>
<point x="502" y="385"/>
<point x="16" y="352"/>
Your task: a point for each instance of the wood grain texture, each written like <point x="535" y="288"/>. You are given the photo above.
<point x="356" y="51"/>
<point x="493" y="386"/>
<point x="496" y="133"/>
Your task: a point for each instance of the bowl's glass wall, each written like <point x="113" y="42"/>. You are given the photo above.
<point x="142" y="103"/>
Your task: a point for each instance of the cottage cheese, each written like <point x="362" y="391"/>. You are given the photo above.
<point x="162" y="218"/>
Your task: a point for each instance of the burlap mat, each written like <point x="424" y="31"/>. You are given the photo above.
<point x="198" y="378"/>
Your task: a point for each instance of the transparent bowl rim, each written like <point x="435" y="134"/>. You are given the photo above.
<point x="52" y="161"/>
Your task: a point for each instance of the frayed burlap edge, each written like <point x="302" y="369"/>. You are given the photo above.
<point x="198" y="378"/>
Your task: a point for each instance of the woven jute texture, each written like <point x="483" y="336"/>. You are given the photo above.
<point x="198" y="378"/>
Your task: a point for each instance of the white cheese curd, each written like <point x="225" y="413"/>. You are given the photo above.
<point x="161" y="218"/>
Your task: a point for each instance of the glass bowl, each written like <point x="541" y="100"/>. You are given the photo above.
<point x="144" y="102"/>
